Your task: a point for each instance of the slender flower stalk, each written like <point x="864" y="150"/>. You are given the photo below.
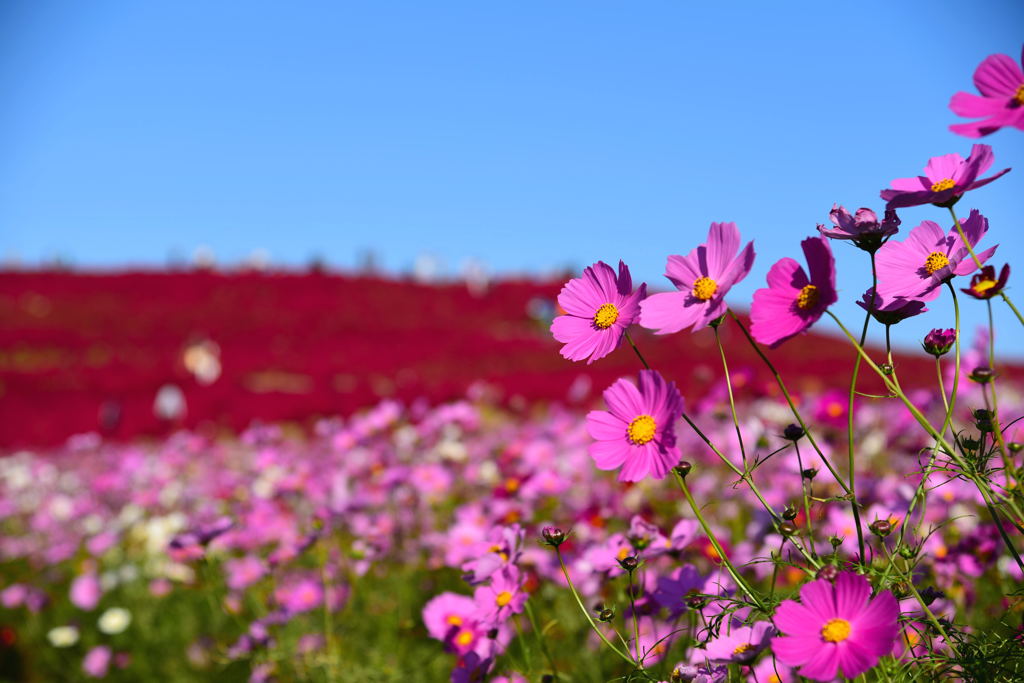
<point x="590" y="619"/>
<point x="732" y="400"/>
<point x="729" y="566"/>
<point x="792" y="406"/>
<point x="849" y="412"/>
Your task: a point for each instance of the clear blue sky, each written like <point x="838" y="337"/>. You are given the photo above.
<point x="528" y="135"/>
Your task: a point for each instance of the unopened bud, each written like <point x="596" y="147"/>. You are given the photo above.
<point x="907" y="552"/>
<point x="683" y="468"/>
<point x="606" y="615"/>
<point x="810" y="473"/>
<point x="982" y="375"/>
<point x="787" y="528"/>
<point x="629" y="563"/>
<point x="829" y="572"/>
<point x="553" y="536"/>
<point x="789" y="513"/>
<point x="881" y="527"/>
<point x="835" y="541"/>
<point x="793" y="432"/>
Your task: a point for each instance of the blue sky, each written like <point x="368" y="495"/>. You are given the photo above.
<point x="526" y="135"/>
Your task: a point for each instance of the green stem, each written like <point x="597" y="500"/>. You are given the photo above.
<point x="736" y="576"/>
<point x="732" y="400"/>
<point x="849" y="415"/>
<point x="792" y="405"/>
<point x="590" y="620"/>
<point x="924" y="606"/>
<point x="637" y="351"/>
<point x="636" y="622"/>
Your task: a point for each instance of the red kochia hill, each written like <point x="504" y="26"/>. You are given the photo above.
<point x="82" y="352"/>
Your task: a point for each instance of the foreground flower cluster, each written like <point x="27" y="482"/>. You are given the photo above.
<point x="278" y="532"/>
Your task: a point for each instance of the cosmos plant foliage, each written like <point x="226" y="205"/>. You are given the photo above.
<point x="750" y="533"/>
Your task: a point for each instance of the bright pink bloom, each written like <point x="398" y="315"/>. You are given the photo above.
<point x="503" y="597"/>
<point x="792" y="302"/>
<point x="916" y="267"/>
<point x="244" y="572"/>
<point x="96" y="663"/>
<point x="300" y="595"/>
<point x="741" y="645"/>
<point x="703" y="277"/>
<point x="638" y="431"/>
<point x="1001" y="103"/>
<point x="599" y="308"/>
<point x="85" y="591"/>
<point x="863" y="228"/>
<point x="836" y="627"/>
<point x="446" y="612"/>
<point x="946" y="179"/>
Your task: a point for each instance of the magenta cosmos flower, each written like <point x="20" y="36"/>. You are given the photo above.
<point x="637" y="433"/>
<point x="945" y="180"/>
<point x="863" y="228"/>
<point x="1001" y="103"/>
<point x="599" y="308"/>
<point x="792" y="301"/>
<point x="703" y="277"/>
<point x="916" y="267"/>
<point x="836" y="627"/>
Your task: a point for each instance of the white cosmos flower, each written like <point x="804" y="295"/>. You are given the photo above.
<point x="63" y="636"/>
<point x="115" y="620"/>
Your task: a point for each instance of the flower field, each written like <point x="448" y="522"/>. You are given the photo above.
<point x="207" y="476"/>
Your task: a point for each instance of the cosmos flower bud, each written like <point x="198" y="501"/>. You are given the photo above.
<point x="789" y="513"/>
<point x="696" y="602"/>
<point x="835" y="541"/>
<point x="1015" y="446"/>
<point x="900" y="590"/>
<point x="881" y="527"/>
<point x="829" y="572"/>
<point x="886" y="369"/>
<point x="553" y="536"/>
<point x="683" y="468"/>
<point x="938" y="342"/>
<point x="982" y="375"/>
<point x="907" y="552"/>
<point x="629" y="563"/>
<point x="809" y="473"/>
<point x="983" y="420"/>
<point x="793" y="432"/>
<point x="606" y="615"/>
<point x="787" y="528"/>
<point x="930" y="594"/>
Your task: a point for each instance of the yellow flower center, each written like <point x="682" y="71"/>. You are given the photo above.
<point x="1019" y="96"/>
<point x="935" y="261"/>
<point x="512" y="484"/>
<point x="774" y="678"/>
<point x="984" y="285"/>
<point x="641" y="429"/>
<point x="834" y="409"/>
<point x="623" y="552"/>
<point x="836" y="630"/>
<point x="454" y="620"/>
<point x="944" y="184"/>
<point x="503" y="598"/>
<point x="606" y="316"/>
<point x="464" y="637"/>
<point x="740" y="649"/>
<point x="808" y="297"/>
<point x="704" y="288"/>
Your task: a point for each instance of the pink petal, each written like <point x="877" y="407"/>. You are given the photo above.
<point x="667" y="312"/>
<point x="604" y="426"/>
<point x="852" y="592"/>
<point x="794" y="619"/>
<point x="608" y="455"/>
<point x="853" y="660"/>
<point x="624" y="400"/>
<point x="723" y="242"/>
<point x="998" y="75"/>
<point x="942" y="167"/>
<point x="823" y="663"/>
<point x="794" y="651"/>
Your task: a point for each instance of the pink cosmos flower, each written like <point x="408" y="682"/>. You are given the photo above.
<point x="1001" y="103"/>
<point x="599" y="307"/>
<point x="946" y="179"/>
<point x="97" y="661"/>
<point x="742" y="645"/>
<point x="863" y="228"/>
<point x="503" y="597"/>
<point x="638" y="431"/>
<point x="916" y="267"/>
<point x="703" y="277"/>
<point x="244" y="572"/>
<point x="85" y="591"/>
<point x="890" y="311"/>
<point x="792" y="301"/>
<point x="836" y="627"/>
<point x="445" y="612"/>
